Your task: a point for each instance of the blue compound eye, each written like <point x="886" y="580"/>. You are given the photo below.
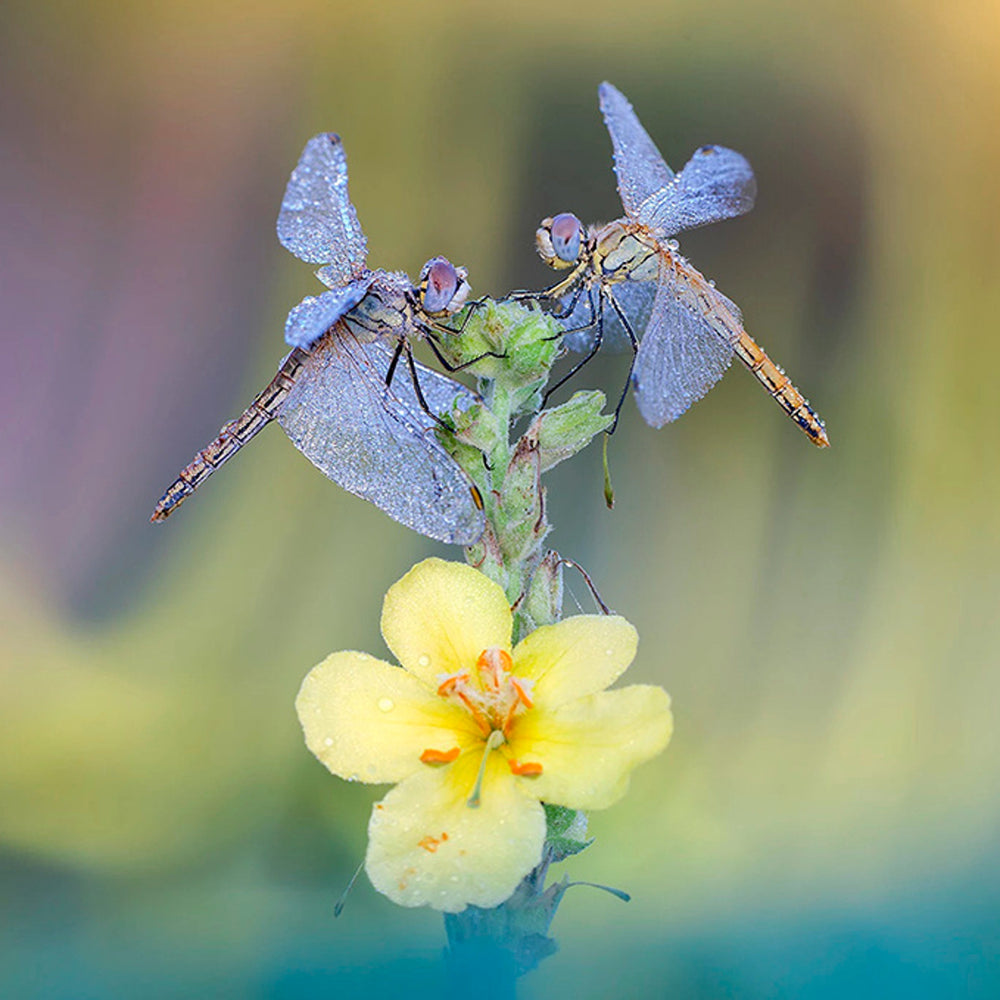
<point x="439" y="283"/>
<point x="567" y="230"/>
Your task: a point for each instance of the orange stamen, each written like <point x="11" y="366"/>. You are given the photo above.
<point x="481" y="720"/>
<point x="521" y="693"/>
<point x="488" y="658"/>
<point x="529" y="769"/>
<point x="431" y="756"/>
<point x="449" y="682"/>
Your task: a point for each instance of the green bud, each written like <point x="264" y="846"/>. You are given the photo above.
<point x="527" y="339"/>
<point x="521" y="517"/>
<point x="569" y="428"/>
<point x="478" y="427"/>
<point x="544" y="599"/>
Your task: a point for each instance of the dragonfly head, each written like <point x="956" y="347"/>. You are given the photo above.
<point x="443" y="287"/>
<point x="558" y="240"/>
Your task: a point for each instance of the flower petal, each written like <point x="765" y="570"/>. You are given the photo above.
<point x="440" y="616"/>
<point x="588" y="747"/>
<point x="575" y="657"/>
<point x="369" y="721"/>
<point x="427" y="847"/>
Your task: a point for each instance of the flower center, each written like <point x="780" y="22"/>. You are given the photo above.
<point x="490" y="692"/>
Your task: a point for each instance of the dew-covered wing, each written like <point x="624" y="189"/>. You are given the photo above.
<point x="639" y="166"/>
<point x="634" y="298"/>
<point x="317" y="221"/>
<point x="315" y="314"/>
<point x="715" y="184"/>
<point x="687" y="347"/>
<point x="376" y="442"/>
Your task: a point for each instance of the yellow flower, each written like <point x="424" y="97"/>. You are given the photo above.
<point x="476" y="735"/>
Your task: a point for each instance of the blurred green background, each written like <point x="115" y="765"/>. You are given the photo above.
<point x="826" y="821"/>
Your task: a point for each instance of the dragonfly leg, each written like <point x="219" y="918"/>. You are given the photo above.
<point x="431" y="338"/>
<point x="634" y="344"/>
<point x="472" y="307"/>
<point x="421" y="399"/>
<point x="395" y="361"/>
<point x="598" y="340"/>
<point x="568" y="310"/>
<point x="605" y="610"/>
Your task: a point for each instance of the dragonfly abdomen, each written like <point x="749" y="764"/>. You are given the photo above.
<point x="232" y="437"/>
<point x="780" y="387"/>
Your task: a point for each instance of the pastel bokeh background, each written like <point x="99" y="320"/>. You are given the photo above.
<point x="826" y="821"/>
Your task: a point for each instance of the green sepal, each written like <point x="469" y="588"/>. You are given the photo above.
<point x="565" y="832"/>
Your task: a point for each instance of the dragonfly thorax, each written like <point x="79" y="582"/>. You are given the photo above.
<point x="622" y="251"/>
<point x="385" y="311"/>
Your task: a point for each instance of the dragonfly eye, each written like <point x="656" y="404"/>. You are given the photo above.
<point x="566" y="231"/>
<point x="439" y="285"/>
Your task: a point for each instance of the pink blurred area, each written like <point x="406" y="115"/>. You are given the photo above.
<point x="139" y="186"/>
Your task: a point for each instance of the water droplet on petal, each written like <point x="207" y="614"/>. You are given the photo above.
<point x="609" y="652"/>
<point x="328" y="742"/>
<point x="386" y="704"/>
<point x="424" y="660"/>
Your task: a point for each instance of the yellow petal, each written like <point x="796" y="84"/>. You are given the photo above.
<point x="588" y="747"/>
<point x="428" y="848"/>
<point x="369" y="721"/>
<point x="575" y="657"/>
<point x="441" y="616"/>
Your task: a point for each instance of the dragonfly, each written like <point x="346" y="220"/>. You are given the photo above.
<point x="628" y="276"/>
<point x="334" y="393"/>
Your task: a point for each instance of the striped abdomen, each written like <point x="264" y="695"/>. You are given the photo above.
<point x="232" y="436"/>
<point x="779" y="386"/>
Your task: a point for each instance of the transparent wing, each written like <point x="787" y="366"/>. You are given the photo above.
<point x="315" y="314"/>
<point x="687" y="347"/>
<point x="635" y="299"/>
<point x="376" y="443"/>
<point x="715" y="184"/>
<point x="317" y="221"/>
<point x="639" y="166"/>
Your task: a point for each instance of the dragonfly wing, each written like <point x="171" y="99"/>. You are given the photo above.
<point x="715" y="184"/>
<point x="371" y="441"/>
<point x="686" y="349"/>
<point x="315" y="314"/>
<point x="635" y="298"/>
<point x="317" y="221"/>
<point x="639" y="166"/>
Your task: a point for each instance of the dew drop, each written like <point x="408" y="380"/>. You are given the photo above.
<point x="328" y="742"/>
<point x="609" y="652"/>
<point x="424" y="660"/>
<point x="386" y="704"/>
